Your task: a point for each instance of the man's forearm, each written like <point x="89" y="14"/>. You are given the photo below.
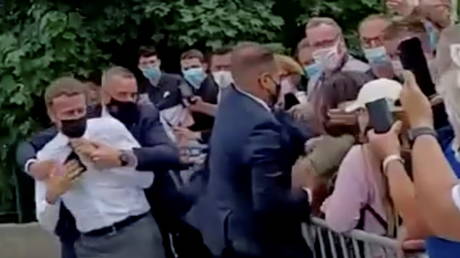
<point x="402" y="193"/>
<point x="434" y="180"/>
<point x="208" y="109"/>
<point x="24" y="153"/>
<point x="161" y="157"/>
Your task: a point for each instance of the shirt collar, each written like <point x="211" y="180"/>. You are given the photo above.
<point x="105" y="112"/>
<point x="256" y="99"/>
<point x="61" y="139"/>
<point x="156" y="81"/>
<point x="455" y="148"/>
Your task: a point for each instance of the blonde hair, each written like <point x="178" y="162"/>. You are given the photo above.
<point x="401" y="25"/>
<point x="288" y="64"/>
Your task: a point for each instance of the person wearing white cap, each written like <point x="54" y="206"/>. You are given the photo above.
<point x="375" y="90"/>
<point x="360" y="199"/>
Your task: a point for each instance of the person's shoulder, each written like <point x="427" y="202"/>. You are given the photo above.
<point x="147" y="110"/>
<point x="357" y="65"/>
<point x="171" y="77"/>
<point x="354" y="158"/>
<point x="104" y="123"/>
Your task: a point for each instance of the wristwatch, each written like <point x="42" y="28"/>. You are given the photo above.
<point x="127" y="159"/>
<point x="413" y="134"/>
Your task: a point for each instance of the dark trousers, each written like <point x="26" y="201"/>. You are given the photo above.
<point x="68" y="249"/>
<point x="168" y="207"/>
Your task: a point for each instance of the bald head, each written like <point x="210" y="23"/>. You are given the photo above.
<point x="249" y="61"/>
<point x="119" y="83"/>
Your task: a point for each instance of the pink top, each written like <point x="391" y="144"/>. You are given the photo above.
<point x="359" y="182"/>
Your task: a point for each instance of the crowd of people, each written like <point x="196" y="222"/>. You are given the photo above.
<point x="230" y="157"/>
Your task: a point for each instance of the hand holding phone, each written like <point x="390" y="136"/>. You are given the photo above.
<point x="380" y="116"/>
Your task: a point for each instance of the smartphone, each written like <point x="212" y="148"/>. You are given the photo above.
<point x="413" y="58"/>
<point x="186" y="92"/>
<point x="290" y="100"/>
<point x="380" y="116"/>
<point x="74" y="156"/>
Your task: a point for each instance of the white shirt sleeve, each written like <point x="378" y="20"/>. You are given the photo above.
<point x="47" y="214"/>
<point x="27" y="166"/>
<point x="456" y="195"/>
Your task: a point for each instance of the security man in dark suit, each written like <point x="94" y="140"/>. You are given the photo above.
<point x="259" y="214"/>
<point x="163" y="89"/>
<point x="157" y="153"/>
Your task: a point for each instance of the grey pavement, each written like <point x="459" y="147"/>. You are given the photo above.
<point x="27" y="241"/>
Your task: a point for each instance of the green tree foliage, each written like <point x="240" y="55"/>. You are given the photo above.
<point x="41" y="40"/>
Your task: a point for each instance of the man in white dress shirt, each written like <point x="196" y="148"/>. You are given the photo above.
<point x="109" y="205"/>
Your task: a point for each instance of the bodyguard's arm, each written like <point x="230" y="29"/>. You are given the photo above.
<point x="271" y="191"/>
<point x="26" y="151"/>
<point x="157" y="152"/>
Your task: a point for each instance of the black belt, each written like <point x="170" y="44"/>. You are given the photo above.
<point x="112" y="230"/>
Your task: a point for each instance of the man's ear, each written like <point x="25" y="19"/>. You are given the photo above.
<point x="51" y="114"/>
<point x="159" y="63"/>
<point x="205" y="67"/>
<point x="105" y="97"/>
<point x="264" y="80"/>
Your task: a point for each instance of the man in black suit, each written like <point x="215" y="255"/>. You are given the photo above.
<point x="158" y="154"/>
<point x="259" y="213"/>
<point x="163" y="89"/>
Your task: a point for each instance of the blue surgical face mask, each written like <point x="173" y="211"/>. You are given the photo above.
<point x="151" y="73"/>
<point x="433" y="35"/>
<point x="312" y="70"/>
<point x="195" y="76"/>
<point x="376" y="56"/>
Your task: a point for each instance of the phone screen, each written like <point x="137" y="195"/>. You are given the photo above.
<point x="380" y="116"/>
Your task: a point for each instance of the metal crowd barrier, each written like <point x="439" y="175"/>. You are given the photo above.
<point x="354" y="244"/>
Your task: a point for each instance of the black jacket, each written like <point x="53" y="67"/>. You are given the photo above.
<point x="167" y="93"/>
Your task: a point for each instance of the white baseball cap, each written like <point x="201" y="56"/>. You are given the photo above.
<point x="375" y="90"/>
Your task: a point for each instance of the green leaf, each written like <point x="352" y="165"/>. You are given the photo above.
<point x="7" y="84"/>
<point x="74" y="20"/>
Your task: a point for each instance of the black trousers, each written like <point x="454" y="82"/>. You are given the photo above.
<point x="180" y="240"/>
<point x="68" y="249"/>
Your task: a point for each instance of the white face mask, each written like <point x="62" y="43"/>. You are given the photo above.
<point x="223" y="78"/>
<point x="328" y="58"/>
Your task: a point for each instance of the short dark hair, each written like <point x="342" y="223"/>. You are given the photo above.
<point x="337" y="88"/>
<point x="64" y="86"/>
<point x="192" y="53"/>
<point x="147" y="52"/>
<point x="250" y="57"/>
<point x="222" y="51"/>
<point x="218" y="52"/>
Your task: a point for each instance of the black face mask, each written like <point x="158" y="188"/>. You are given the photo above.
<point x="74" y="128"/>
<point x="274" y="97"/>
<point x="125" y="112"/>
